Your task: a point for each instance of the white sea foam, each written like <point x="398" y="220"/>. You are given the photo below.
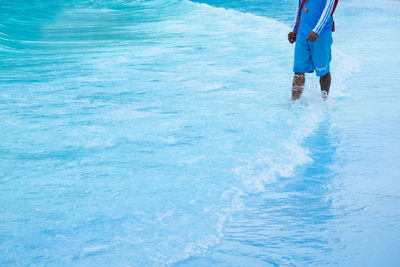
<point x="303" y="118"/>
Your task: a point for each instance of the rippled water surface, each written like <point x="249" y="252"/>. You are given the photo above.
<point x="154" y="133"/>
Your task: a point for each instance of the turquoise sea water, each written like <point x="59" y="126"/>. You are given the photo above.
<point x="160" y="133"/>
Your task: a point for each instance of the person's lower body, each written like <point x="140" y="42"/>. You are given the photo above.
<point x="299" y="81"/>
<point x="310" y="57"/>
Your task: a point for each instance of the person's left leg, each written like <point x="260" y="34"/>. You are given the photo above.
<point x="321" y="54"/>
<point x="325" y="83"/>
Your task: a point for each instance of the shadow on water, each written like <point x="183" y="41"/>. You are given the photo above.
<point x="286" y="224"/>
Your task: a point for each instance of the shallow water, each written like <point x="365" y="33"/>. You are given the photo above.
<point x="148" y="133"/>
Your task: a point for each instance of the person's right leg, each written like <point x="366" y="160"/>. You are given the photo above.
<point x="298" y="85"/>
<point x="302" y="64"/>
